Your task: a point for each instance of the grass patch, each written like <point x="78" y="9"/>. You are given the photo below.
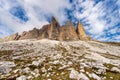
<point x="110" y="56"/>
<point x="108" y="65"/>
<point x="115" y="76"/>
<point x="6" y="52"/>
<point x="110" y="43"/>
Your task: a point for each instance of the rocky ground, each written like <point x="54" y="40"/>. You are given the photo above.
<point x="55" y="60"/>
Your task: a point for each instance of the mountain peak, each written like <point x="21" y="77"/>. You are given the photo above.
<point x="53" y="19"/>
<point x="55" y="32"/>
<point x="80" y="31"/>
<point x="54" y="22"/>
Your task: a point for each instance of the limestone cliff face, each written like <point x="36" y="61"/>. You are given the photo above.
<point x="53" y="31"/>
<point x="68" y="32"/>
<point x="32" y="34"/>
<point x="50" y="31"/>
<point x="81" y="32"/>
<point x="11" y="37"/>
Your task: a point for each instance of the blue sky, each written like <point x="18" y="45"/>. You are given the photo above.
<point x="101" y="18"/>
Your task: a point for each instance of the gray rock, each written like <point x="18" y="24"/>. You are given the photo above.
<point x="73" y="74"/>
<point x="21" y="78"/>
<point x="115" y="69"/>
<point x="4" y="69"/>
<point x="35" y="63"/>
<point x="7" y="63"/>
<point x="26" y="70"/>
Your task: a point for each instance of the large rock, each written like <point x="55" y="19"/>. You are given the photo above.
<point x="6" y="66"/>
<point x="4" y="69"/>
<point x="7" y="63"/>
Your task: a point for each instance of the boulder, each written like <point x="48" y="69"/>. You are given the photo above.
<point x="7" y="63"/>
<point x="4" y="69"/>
<point x="115" y="69"/>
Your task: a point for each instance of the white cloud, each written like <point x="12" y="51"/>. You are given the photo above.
<point x="36" y="11"/>
<point x="92" y="14"/>
<point x="98" y="17"/>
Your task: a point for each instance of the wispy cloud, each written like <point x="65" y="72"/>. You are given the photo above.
<point x="99" y="18"/>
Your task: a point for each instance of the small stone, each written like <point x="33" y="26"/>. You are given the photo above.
<point x="33" y="73"/>
<point x="21" y="78"/>
<point x="115" y="69"/>
<point x="35" y="63"/>
<point x="56" y="62"/>
<point x="48" y="75"/>
<point x="82" y="70"/>
<point x="36" y="71"/>
<point x="29" y="77"/>
<point x="104" y="78"/>
<point x="82" y="76"/>
<point x="70" y="63"/>
<point x="37" y="75"/>
<point x="26" y="70"/>
<point x="43" y="69"/>
<point x="111" y="77"/>
<point x="15" y="71"/>
<point x="73" y="74"/>
<point x="50" y="69"/>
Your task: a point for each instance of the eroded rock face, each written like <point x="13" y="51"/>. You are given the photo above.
<point x="32" y="34"/>
<point x="53" y="31"/>
<point x="81" y="32"/>
<point x="11" y="37"/>
<point x="50" y="31"/>
<point x="68" y="32"/>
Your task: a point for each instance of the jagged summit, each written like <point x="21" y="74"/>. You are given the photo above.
<point x="53" y="31"/>
<point x="80" y="31"/>
<point x="54" y="22"/>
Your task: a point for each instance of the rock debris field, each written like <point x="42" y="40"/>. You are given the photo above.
<point x="59" y="60"/>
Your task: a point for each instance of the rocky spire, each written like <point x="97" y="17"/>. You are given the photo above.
<point x="53" y="29"/>
<point x="54" y="22"/>
<point x="80" y="31"/>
